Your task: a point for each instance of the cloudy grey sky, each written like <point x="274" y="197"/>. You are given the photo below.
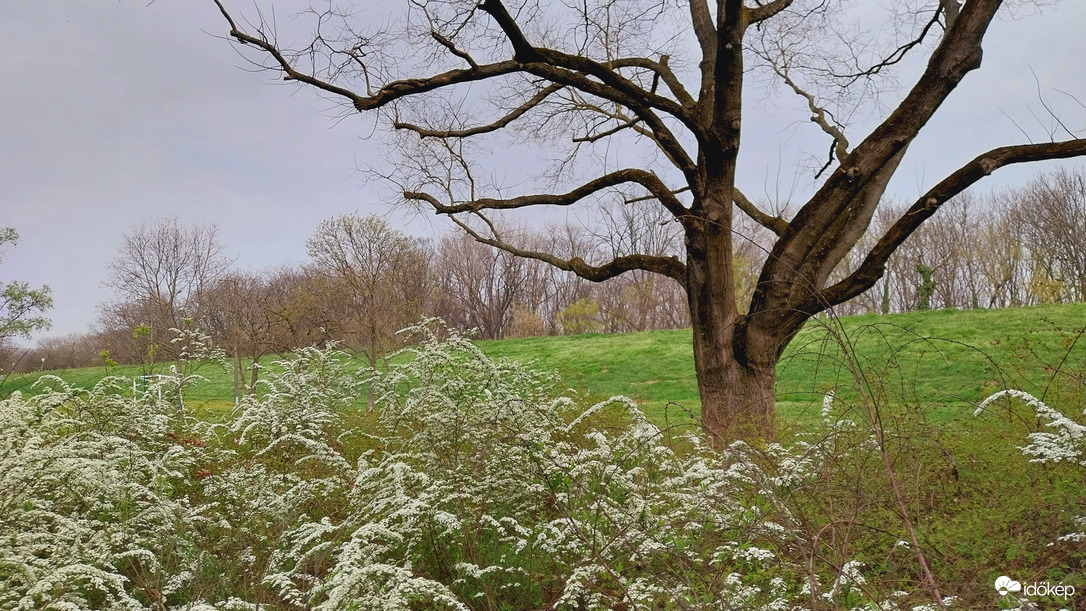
<point x="117" y="112"/>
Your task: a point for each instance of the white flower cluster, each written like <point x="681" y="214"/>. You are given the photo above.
<point x="1066" y="443"/>
<point x="467" y="486"/>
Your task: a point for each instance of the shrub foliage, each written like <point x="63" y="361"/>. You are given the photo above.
<point x="471" y="484"/>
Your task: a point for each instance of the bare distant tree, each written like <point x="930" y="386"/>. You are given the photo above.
<point x="68" y="351"/>
<point x="478" y="285"/>
<point x="587" y="78"/>
<point x="382" y="275"/>
<point x="247" y="314"/>
<point x="161" y="272"/>
<point x="1052" y="213"/>
<point x="1002" y="260"/>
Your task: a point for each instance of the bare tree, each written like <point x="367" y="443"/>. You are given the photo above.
<point x="382" y="276"/>
<point x="1052" y="213"/>
<point x="478" y="285"/>
<point x="68" y="351"/>
<point x="160" y="274"/>
<point x="248" y="315"/>
<point x="595" y="76"/>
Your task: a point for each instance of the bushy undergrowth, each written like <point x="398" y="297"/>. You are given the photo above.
<point x="468" y="486"/>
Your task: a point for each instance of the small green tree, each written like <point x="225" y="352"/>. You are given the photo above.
<point x="20" y="305"/>
<point x="107" y="361"/>
<point x="581" y="316"/>
<point x="926" y="288"/>
<point x="144" y="334"/>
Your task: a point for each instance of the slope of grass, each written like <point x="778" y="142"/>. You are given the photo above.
<point x="947" y="359"/>
<point x="952" y="358"/>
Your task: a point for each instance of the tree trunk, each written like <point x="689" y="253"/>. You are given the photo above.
<point x="737" y="400"/>
<point x="736" y="363"/>
<point x="255" y="374"/>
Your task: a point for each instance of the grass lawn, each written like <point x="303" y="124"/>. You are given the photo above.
<point x="943" y="361"/>
<point x="946" y="360"/>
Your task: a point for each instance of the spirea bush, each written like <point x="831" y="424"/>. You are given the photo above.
<point x="1062" y="441"/>
<point x="471" y="484"/>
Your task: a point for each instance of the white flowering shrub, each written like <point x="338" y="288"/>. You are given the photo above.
<point x="91" y="499"/>
<point x="468" y="486"/>
<point x="485" y="492"/>
<point x="1065" y="442"/>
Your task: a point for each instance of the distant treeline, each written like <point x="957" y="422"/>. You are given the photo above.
<point x="364" y="279"/>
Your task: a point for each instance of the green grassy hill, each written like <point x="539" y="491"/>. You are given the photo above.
<point x="946" y="360"/>
<point x="953" y="358"/>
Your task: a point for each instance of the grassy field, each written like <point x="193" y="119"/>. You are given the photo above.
<point x="944" y="361"/>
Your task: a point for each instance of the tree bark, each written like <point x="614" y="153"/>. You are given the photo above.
<point x="737" y="393"/>
<point x="735" y="362"/>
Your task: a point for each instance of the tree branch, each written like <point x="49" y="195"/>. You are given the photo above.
<point x="800" y="254"/>
<point x="671" y="267"/>
<point x="899" y="54"/>
<point x="448" y="44"/>
<point x="646" y="179"/>
<point x="766" y="11"/>
<point x="518" y="112"/>
<point x="665" y="73"/>
<point x="775" y="224"/>
<point x="818" y="116"/>
<point x="874" y="265"/>
<point x="386" y="94"/>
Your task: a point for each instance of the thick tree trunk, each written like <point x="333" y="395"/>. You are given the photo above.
<point x="737" y="398"/>
<point x="735" y="362"/>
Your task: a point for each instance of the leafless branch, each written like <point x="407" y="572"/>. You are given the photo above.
<point x="873" y="266"/>
<point x="646" y="179"/>
<point x="517" y="113"/>
<point x="671" y="266"/>
<point x="775" y="224"/>
<point x="819" y="114"/>
<point x="899" y="53"/>
<point x="766" y="11"/>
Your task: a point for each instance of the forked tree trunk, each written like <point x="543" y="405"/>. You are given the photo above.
<point x="737" y="400"/>
<point x="736" y="362"/>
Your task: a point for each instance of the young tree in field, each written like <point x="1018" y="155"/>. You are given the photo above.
<point x="20" y="305"/>
<point x="247" y="318"/>
<point x="597" y="76"/>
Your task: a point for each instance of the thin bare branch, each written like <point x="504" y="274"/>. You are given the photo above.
<point x="818" y="114"/>
<point x="671" y="266"/>
<point x="775" y="224"/>
<point x="518" y="112"/>
<point x="448" y="44"/>
<point x="662" y="70"/>
<point x="646" y="179"/>
<point x="898" y="54"/>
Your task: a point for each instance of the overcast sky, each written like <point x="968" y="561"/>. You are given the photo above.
<point x="117" y="112"/>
